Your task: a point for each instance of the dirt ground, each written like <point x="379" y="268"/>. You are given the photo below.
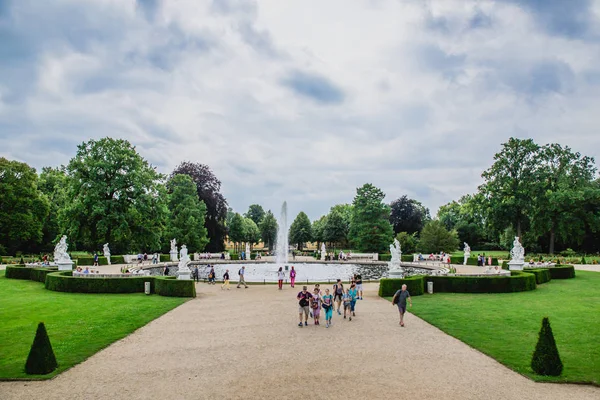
<point x="245" y="344"/>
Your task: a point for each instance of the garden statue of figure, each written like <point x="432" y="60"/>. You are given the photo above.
<point x="323" y="251"/>
<point x="106" y="251"/>
<point x="248" y="255"/>
<point x="518" y="252"/>
<point x="173" y="251"/>
<point x="183" y="259"/>
<point x="467" y="253"/>
<point x="60" y="251"/>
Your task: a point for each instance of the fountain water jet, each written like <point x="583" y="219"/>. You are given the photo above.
<point x="282" y="236"/>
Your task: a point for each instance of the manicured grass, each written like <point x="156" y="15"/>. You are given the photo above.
<point x="505" y="326"/>
<point x="79" y="325"/>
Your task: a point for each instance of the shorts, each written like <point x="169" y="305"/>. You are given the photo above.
<point x="401" y="308"/>
<point x="337" y="297"/>
<point x="303" y="309"/>
<point x="359" y="287"/>
<point x="347" y="305"/>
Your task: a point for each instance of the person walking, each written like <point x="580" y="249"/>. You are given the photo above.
<point x="347" y="299"/>
<point x="280" y="277"/>
<point x="353" y="295"/>
<point x="303" y="305"/>
<point x="399" y="299"/>
<point x="315" y="305"/>
<point x="95" y="259"/>
<point x="338" y="292"/>
<point x="225" y="280"/>
<point x="359" y="286"/>
<point x="241" y="273"/>
<point x="292" y="276"/>
<point x="212" y="276"/>
<point x="327" y="304"/>
<point x="196" y="274"/>
<point x="166" y="271"/>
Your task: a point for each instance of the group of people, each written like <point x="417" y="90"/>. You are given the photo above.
<point x="481" y="260"/>
<point x="312" y="303"/>
<point x="86" y="271"/>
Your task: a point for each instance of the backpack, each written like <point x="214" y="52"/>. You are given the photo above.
<point x="240" y="272"/>
<point x="396" y="298"/>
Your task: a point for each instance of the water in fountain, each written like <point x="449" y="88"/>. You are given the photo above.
<point x="282" y="236"/>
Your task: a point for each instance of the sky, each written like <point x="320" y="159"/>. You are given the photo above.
<point x="302" y="100"/>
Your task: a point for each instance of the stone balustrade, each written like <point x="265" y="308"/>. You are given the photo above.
<point x="210" y="256"/>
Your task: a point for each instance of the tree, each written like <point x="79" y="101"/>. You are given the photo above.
<point x="115" y="196"/>
<point x="186" y="222"/>
<point x="510" y="185"/>
<point x="23" y="208"/>
<point x="216" y="206"/>
<point x="336" y="228"/>
<point x="408" y="243"/>
<point x="251" y="232"/>
<point x="268" y="230"/>
<point x="370" y="229"/>
<point x="300" y="230"/>
<point x="435" y="238"/>
<point x="255" y="213"/>
<point x="408" y="215"/>
<point x="53" y="183"/>
<point x="318" y="226"/>
<point x="466" y="218"/>
<point x="546" y="360"/>
<point x="41" y="359"/>
<point x="237" y="230"/>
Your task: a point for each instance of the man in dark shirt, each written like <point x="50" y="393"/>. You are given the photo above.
<point x="359" y="286"/>
<point x="400" y="300"/>
<point x="303" y="303"/>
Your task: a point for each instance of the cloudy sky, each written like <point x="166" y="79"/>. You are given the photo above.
<point x="302" y="100"/>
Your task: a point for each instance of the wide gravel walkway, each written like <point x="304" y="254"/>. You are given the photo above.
<point x="246" y="344"/>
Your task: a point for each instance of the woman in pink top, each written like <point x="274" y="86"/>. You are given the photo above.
<point x="292" y="276"/>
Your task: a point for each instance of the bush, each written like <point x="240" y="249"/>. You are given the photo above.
<point x="385" y="257"/>
<point x="171" y="287"/>
<point x="406" y="257"/>
<point x="234" y="256"/>
<point x="517" y="282"/>
<point x="562" y="272"/>
<point x="165" y="257"/>
<point x="542" y="275"/>
<point x="117" y="260"/>
<point x="18" y="272"/>
<point x="41" y="359"/>
<point x="471" y="260"/>
<point x="39" y="274"/>
<point x="414" y="285"/>
<point x="546" y="360"/>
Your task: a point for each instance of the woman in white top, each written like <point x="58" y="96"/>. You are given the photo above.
<point x="280" y="277"/>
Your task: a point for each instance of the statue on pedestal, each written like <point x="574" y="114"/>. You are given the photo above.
<point x="106" y="251"/>
<point x="323" y="251"/>
<point x="173" y="251"/>
<point x="60" y="251"/>
<point x="518" y="252"/>
<point x="467" y="253"/>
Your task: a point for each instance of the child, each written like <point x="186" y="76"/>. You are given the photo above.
<point x="316" y="306"/>
<point x="327" y="304"/>
<point x="346" y="298"/>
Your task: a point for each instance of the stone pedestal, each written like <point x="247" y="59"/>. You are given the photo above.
<point x="465" y="260"/>
<point x="65" y="266"/>
<point x="174" y="257"/>
<point x="184" y="275"/>
<point x="396" y="274"/>
<point x="515" y="265"/>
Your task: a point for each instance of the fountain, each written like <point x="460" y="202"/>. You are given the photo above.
<point x="467" y="253"/>
<point x="282" y="237"/>
<point x="517" y="256"/>
<point x="61" y="257"/>
<point x="106" y="252"/>
<point x="395" y="270"/>
<point x="184" y="271"/>
<point x="173" y="251"/>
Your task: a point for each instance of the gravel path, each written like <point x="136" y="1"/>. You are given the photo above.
<point x="246" y="344"/>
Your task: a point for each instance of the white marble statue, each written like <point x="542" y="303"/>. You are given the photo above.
<point x="248" y="255"/>
<point x="518" y="252"/>
<point x="184" y="259"/>
<point x="173" y="251"/>
<point x="323" y="251"/>
<point x="467" y="253"/>
<point x="60" y="251"/>
<point x="395" y="270"/>
<point x="106" y="252"/>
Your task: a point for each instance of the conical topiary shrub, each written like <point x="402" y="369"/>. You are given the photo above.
<point x="41" y="359"/>
<point x="546" y="360"/>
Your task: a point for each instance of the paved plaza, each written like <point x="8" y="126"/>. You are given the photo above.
<point x="246" y="344"/>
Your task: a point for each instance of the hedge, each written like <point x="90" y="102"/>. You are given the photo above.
<point x="562" y="272"/>
<point x="165" y="257"/>
<point x="414" y="285"/>
<point x="39" y="274"/>
<point x="167" y="286"/>
<point x="89" y="260"/>
<point x="542" y="275"/>
<point x="18" y="272"/>
<point x="471" y="260"/>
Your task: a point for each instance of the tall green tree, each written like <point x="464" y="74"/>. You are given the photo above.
<point x="256" y="213"/>
<point x="300" y="230"/>
<point x="466" y="217"/>
<point x="251" y="231"/>
<point x="435" y="238"/>
<point x="408" y="242"/>
<point x="53" y="183"/>
<point x="209" y="191"/>
<point x="336" y="228"/>
<point x="23" y="207"/>
<point x="510" y="185"/>
<point x="318" y="227"/>
<point x="237" y="230"/>
<point x="187" y="214"/>
<point x="268" y="230"/>
<point x="370" y="230"/>
<point x="408" y="215"/>
<point x="114" y="196"/>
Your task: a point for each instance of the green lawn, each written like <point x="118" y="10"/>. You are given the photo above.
<point x="78" y="325"/>
<point x="505" y="326"/>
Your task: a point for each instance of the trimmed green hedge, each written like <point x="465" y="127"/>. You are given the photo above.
<point x="414" y="285"/>
<point x="165" y="257"/>
<point x="385" y="257"/>
<point x="562" y="272"/>
<point x="471" y="260"/>
<point x="542" y="275"/>
<point x="89" y="260"/>
<point x="39" y="274"/>
<point x="18" y="272"/>
<point x="167" y="286"/>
